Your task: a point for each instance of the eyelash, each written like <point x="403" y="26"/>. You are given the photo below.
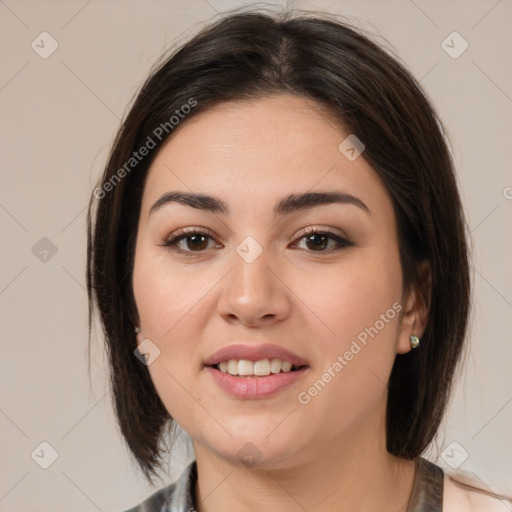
<point x="172" y="243"/>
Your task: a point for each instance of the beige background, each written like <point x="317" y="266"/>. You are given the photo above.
<point x="58" y="118"/>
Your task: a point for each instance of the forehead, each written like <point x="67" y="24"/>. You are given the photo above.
<point x="260" y="149"/>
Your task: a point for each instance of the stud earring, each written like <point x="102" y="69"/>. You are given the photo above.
<point x="137" y="330"/>
<point x="415" y="341"/>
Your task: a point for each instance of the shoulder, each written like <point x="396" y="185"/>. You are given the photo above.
<point x="461" y="497"/>
<point x="178" y="495"/>
<point x="156" y="501"/>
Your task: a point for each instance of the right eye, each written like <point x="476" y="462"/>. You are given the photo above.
<point x="189" y="241"/>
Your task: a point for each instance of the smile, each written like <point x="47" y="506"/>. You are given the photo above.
<point x="263" y="367"/>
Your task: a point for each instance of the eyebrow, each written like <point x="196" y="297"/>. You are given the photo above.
<point x="286" y="205"/>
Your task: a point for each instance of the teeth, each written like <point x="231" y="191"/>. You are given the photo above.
<point x="262" y="367"/>
<point x="275" y="365"/>
<point x="245" y="367"/>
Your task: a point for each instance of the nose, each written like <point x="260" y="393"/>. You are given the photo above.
<point x="253" y="294"/>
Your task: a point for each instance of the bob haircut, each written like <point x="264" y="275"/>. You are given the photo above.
<point x="248" y="56"/>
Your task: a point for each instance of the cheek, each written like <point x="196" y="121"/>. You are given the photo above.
<point x="165" y="294"/>
<point x="360" y="304"/>
<point x="354" y="296"/>
<point x="170" y="308"/>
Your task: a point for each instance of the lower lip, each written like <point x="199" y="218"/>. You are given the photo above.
<point x="255" y="387"/>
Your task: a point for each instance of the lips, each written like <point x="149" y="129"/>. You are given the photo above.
<point x="255" y="388"/>
<point x="254" y="353"/>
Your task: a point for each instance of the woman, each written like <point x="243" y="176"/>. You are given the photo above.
<point x="280" y="263"/>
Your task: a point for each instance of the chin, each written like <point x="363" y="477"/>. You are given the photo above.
<point x="255" y="452"/>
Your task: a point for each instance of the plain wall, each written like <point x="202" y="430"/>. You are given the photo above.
<point x="58" y="119"/>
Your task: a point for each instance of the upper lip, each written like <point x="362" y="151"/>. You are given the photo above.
<point x="254" y="353"/>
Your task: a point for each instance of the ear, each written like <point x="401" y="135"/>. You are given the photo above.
<point x="414" y="319"/>
<point x="135" y="321"/>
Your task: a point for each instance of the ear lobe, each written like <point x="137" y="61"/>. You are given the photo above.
<point x="415" y="317"/>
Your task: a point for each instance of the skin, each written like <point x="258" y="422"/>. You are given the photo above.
<point x="457" y="498"/>
<point x="314" y="456"/>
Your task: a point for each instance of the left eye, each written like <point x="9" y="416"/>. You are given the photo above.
<point x="317" y="241"/>
<point x="197" y="241"/>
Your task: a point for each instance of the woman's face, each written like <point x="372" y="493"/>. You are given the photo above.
<point x="252" y="276"/>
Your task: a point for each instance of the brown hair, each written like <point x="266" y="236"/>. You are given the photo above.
<point x="248" y="56"/>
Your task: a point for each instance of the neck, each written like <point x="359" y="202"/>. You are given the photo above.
<point x="354" y="473"/>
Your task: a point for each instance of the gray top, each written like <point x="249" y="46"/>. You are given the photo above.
<point x="426" y="495"/>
